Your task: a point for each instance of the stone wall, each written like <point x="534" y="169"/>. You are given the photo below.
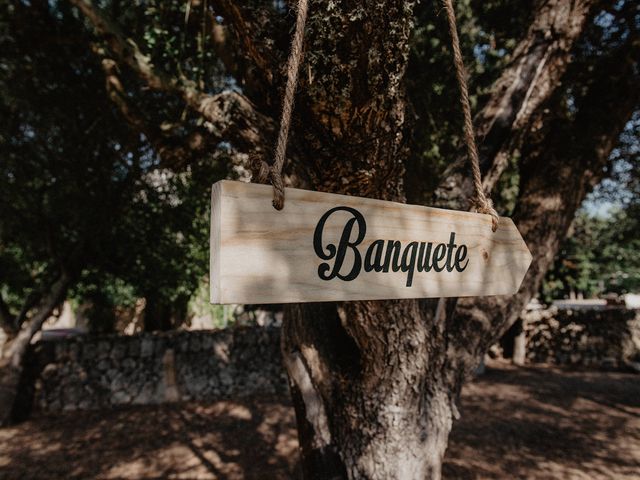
<point x="606" y="338"/>
<point x="90" y="372"/>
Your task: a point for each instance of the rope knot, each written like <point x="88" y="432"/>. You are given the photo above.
<point x="485" y="206"/>
<point x="262" y="172"/>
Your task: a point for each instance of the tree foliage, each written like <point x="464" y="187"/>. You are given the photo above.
<point x="81" y="191"/>
<point x="602" y="252"/>
<point x="600" y="256"/>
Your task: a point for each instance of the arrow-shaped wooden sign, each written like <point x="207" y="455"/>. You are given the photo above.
<point x="326" y="247"/>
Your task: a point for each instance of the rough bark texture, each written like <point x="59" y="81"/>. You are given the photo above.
<point x="13" y="352"/>
<point x="367" y="389"/>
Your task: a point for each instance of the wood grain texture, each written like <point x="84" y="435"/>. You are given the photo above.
<point x="262" y="255"/>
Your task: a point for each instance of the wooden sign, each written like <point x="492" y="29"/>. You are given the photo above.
<point x="326" y="247"/>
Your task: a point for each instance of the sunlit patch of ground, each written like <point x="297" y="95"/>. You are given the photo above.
<point x="533" y="423"/>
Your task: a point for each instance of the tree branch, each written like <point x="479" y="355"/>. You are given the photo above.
<point x="29" y="303"/>
<point x="244" y="30"/>
<point x="229" y="116"/>
<point x="53" y="298"/>
<point x="531" y="78"/>
<point x="13" y="353"/>
<point x="174" y="153"/>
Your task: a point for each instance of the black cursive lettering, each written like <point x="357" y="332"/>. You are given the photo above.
<point x="415" y="256"/>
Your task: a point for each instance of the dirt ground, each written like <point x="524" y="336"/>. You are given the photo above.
<point x="533" y="423"/>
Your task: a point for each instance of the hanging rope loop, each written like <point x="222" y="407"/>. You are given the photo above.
<point x="262" y="171"/>
<point x="481" y="202"/>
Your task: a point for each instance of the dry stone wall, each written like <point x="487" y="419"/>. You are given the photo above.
<point x="90" y="372"/>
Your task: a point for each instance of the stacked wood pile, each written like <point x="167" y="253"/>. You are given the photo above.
<point x="605" y="338"/>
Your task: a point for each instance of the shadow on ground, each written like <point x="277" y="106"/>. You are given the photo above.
<point x="547" y="423"/>
<point x="534" y="423"/>
<point x="227" y="440"/>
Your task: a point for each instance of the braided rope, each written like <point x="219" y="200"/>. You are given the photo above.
<point x="262" y="171"/>
<point x="482" y="203"/>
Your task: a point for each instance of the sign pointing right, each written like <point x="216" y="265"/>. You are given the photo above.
<point x="327" y="247"/>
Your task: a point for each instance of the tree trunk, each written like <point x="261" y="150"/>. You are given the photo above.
<point x="14" y="351"/>
<point x="367" y="390"/>
<point x="563" y="158"/>
<point x="365" y="376"/>
<point x="6" y="322"/>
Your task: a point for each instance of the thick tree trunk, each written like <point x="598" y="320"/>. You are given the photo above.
<point x="365" y="376"/>
<point x="14" y="351"/>
<point x="367" y="388"/>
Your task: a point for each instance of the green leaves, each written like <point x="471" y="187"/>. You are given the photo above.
<point x="602" y="255"/>
<point x="75" y="178"/>
<point x="488" y="33"/>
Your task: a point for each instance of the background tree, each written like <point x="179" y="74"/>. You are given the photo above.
<point x="85" y="210"/>
<point x="601" y="254"/>
<point x="375" y="384"/>
<point x="599" y="257"/>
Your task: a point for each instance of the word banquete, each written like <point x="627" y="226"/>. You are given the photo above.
<point x="382" y="256"/>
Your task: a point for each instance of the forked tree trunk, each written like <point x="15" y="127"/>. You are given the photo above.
<point x="563" y="159"/>
<point x="14" y="351"/>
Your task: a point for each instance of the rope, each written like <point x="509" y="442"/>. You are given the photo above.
<point x="262" y="171"/>
<point x="481" y="202"/>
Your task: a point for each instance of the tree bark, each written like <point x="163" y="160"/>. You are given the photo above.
<point x="564" y="157"/>
<point x="531" y="78"/>
<point x="14" y="351"/>
<point x="366" y="385"/>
